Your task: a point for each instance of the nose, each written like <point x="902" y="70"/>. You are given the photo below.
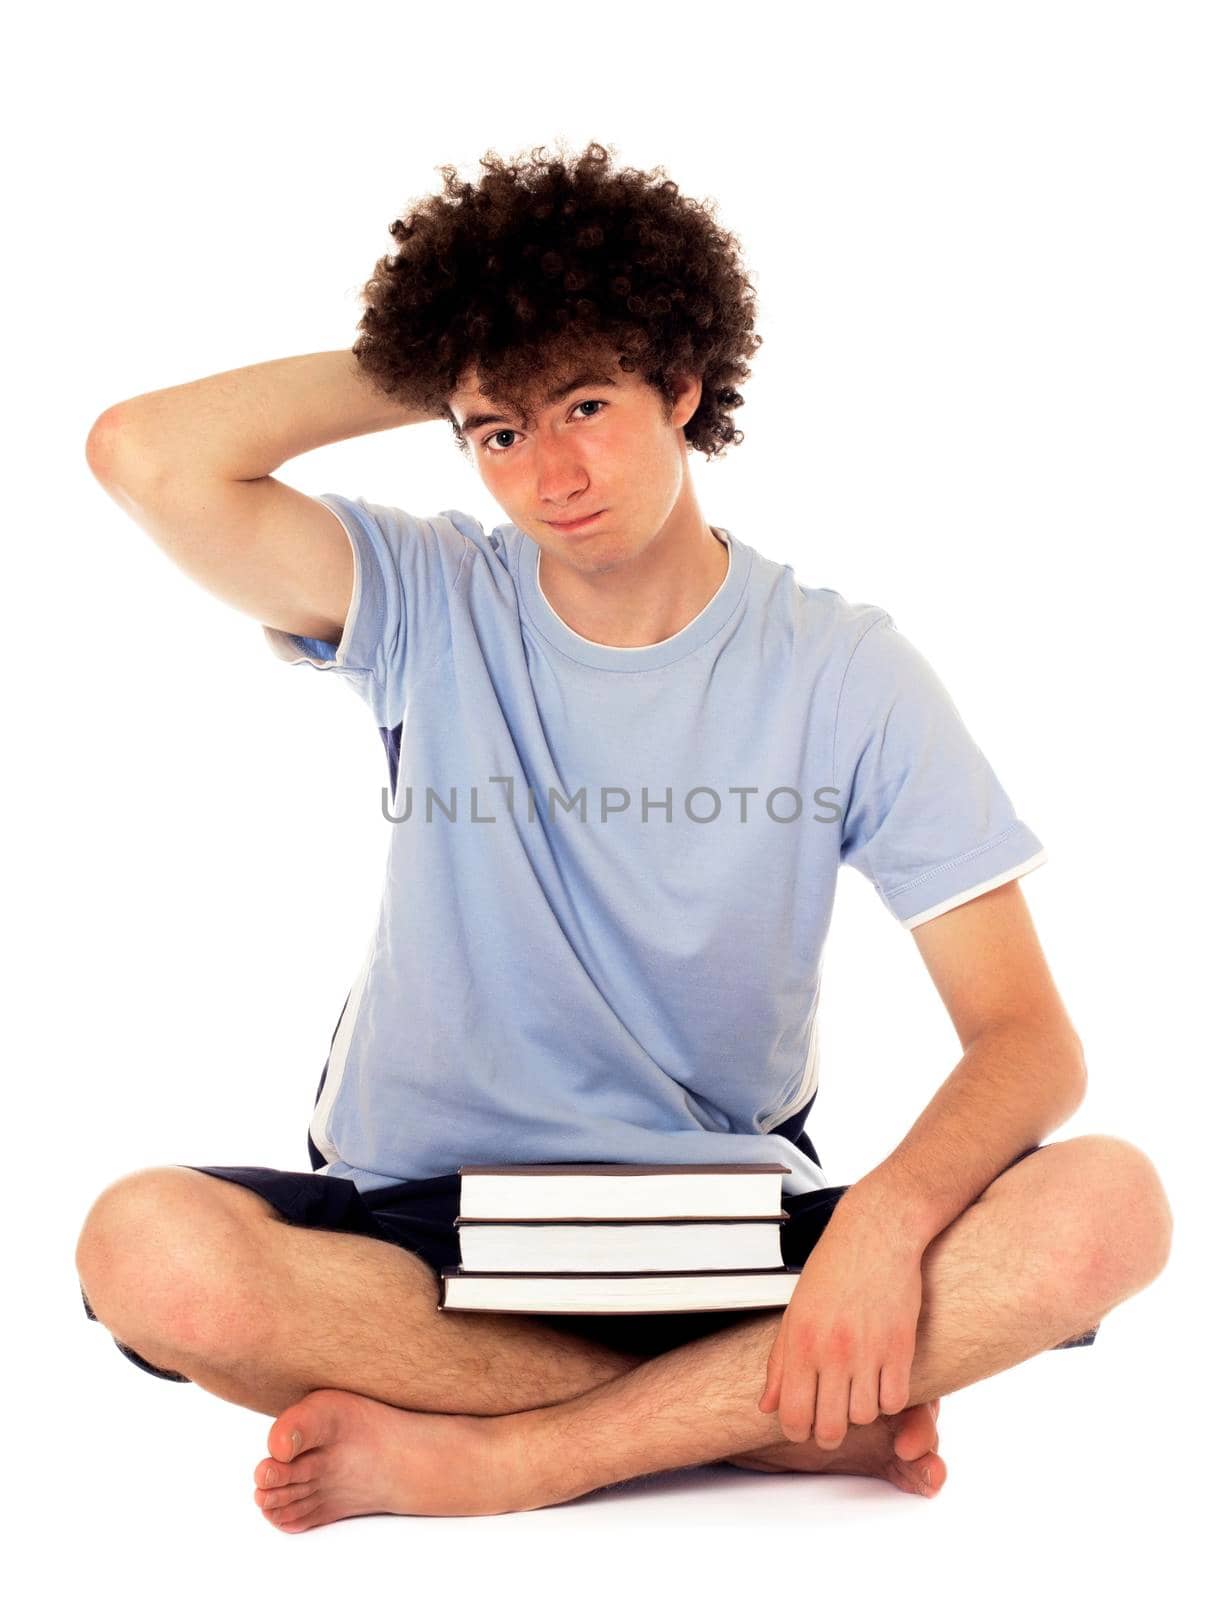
<point x="560" y="477"/>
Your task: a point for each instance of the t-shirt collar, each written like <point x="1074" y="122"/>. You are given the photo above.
<point x="629" y="658"/>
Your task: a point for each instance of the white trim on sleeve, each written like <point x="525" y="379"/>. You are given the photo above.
<point x="964" y="895"/>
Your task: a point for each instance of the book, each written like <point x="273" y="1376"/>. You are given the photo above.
<point x="617" y="1245"/>
<point x="612" y="1190"/>
<point x="614" y="1293"/>
<point x="600" y="1238"/>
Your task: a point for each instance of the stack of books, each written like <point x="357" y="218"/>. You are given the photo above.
<point x="612" y="1239"/>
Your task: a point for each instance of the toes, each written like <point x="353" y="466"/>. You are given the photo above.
<point x="288" y="1435"/>
<point x="307" y="1424"/>
<point x="925" y="1475"/>
<point x="272" y="1474"/>
<point x="296" y="1517"/>
<point x="278" y="1499"/>
<point x="915" y="1432"/>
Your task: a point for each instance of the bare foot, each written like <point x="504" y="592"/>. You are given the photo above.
<point x="336" y="1454"/>
<point x="354" y="1457"/>
<point x="901" y="1448"/>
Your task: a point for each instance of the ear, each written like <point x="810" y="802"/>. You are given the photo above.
<point x="688" y="398"/>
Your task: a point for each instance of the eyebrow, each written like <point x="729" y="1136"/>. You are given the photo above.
<point x="584" y="380"/>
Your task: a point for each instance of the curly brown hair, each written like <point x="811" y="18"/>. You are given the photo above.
<point x="547" y="262"/>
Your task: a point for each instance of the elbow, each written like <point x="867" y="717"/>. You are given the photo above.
<point x="101" y="447"/>
<point x="114" y="450"/>
<point x="1058" y="1050"/>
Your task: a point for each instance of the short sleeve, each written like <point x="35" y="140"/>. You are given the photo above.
<point x="926" y="820"/>
<point x="399" y="617"/>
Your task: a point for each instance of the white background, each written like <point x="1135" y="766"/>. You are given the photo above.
<point x="981" y="238"/>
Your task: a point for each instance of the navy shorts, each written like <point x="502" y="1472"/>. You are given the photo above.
<point x="419" y="1215"/>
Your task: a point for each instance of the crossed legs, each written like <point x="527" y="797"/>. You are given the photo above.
<point x="351" y="1354"/>
<point x="204" y="1277"/>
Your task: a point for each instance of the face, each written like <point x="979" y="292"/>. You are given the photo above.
<point x="602" y="446"/>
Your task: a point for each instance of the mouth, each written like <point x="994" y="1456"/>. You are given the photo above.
<point x="577" y="524"/>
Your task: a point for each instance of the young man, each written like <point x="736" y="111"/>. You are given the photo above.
<point x="627" y="754"/>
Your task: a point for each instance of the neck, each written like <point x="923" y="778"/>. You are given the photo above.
<point x="645" y="598"/>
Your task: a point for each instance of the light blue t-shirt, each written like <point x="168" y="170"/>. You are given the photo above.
<point x="602" y="929"/>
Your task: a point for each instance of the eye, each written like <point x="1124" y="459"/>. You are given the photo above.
<point x="485" y="443"/>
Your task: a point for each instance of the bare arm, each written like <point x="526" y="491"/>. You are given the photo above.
<point x="192" y="465"/>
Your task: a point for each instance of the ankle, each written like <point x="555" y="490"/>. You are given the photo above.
<point x="515" y="1463"/>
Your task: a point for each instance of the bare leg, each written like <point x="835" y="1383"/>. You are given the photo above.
<point x="204" y="1277"/>
<point x="1050" y="1248"/>
<point x="261" y="1313"/>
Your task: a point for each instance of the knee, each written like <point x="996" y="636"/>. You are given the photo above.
<point x="118" y="1217"/>
<point x="1127" y="1221"/>
<point x="150" y="1244"/>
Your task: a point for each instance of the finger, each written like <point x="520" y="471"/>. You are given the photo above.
<point x="772" y="1386"/>
<point x="863" y="1401"/>
<point x="894" y="1388"/>
<point x="832" y="1409"/>
<point x="799" y="1395"/>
